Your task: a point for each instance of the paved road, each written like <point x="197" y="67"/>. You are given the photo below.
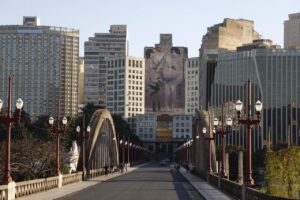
<point x="150" y="182"/>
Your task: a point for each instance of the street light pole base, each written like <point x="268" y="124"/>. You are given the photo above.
<point x="249" y="181"/>
<point x="7" y="179"/>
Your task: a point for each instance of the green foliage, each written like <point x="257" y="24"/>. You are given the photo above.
<point x="283" y="172"/>
<point x="123" y="130"/>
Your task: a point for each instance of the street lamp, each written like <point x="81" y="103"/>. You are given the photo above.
<point x="8" y="120"/>
<point x="83" y="137"/>
<point x="208" y="138"/>
<point x="222" y="132"/>
<point x="58" y="132"/>
<point x="249" y="122"/>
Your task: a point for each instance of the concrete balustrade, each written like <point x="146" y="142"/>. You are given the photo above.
<point x="239" y="191"/>
<point x="34" y="186"/>
<point x="71" y="178"/>
<point x="15" y="190"/>
<point x="3" y="192"/>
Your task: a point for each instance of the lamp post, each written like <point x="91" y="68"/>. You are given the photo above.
<point x="58" y="132"/>
<point x="249" y="122"/>
<point x="83" y="137"/>
<point x="8" y="120"/>
<point x="223" y="132"/>
<point x="209" y="139"/>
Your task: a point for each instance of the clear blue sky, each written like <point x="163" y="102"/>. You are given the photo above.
<point x="187" y="20"/>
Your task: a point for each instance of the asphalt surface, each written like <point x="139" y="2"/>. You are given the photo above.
<point x="150" y="182"/>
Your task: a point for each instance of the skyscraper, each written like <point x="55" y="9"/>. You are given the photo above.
<point x="125" y="87"/>
<point x="292" y="31"/>
<point x="275" y="74"/>
<point x="96" y="52"/>
<point x="43" y="62"/>
<point x="226" y="36"/>
<point x="192" y="85"/>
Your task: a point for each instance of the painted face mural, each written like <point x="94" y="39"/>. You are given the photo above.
<point x="165" y="79"/>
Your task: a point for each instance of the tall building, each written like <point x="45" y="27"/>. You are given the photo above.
<point x="164" y="81"/>
<point x="226" y="36"/>
<point x="275" y="74"/>
<point x="96" y="52"/>
<point x="192" y="85"/>
<point x="43" y="62"/>
<point x="125" y="87"/>
<point x="292" y="31"/>
<point x="81" y="82"/>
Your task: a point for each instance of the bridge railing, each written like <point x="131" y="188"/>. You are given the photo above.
<point x="3" y="192"/>
<point x="34" y="186"/>
<point x="26" y="188"/>
<point x="71" y="178"/>
<point x="238" y="191"/>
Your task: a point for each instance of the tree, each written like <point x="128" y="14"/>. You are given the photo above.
<point x="283" y="172"/>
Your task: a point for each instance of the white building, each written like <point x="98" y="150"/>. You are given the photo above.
<point x="192" y="85"/>
<point x="43" y="63"/>
<point x="145" y="127"/>
<point x="182" y="127"/>
<point x="97" y="51"/>
<point x="292" y="31"/>
<point x="125" y="87"/>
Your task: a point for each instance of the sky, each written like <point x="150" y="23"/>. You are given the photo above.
<point x="187" y="20"/>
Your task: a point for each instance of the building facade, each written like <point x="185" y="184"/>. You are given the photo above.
<point x="97" y="50"/>
<point x="43" y="63"/>
<point x="145" y="127"/>
<point x="164" y="79"/>
<point x="182" y="127"/>
<point x="220" y="38"/>
<point x="292" y="31"/>
<point x="81" y="82"/>
<point x="192" y="85"/>
<point x="275" y="74"/>
<point x="125" y="87"/>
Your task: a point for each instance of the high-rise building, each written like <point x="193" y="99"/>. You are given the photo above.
<point x="81" y="82"/>
<point x="192" y="85"/>
<point x="292" y="31"/>
<point x="275" y="75"/>
<point x="125" y="87"/>
<point x="97" y="50"/>
<point x="43" y="62"/>
<point x="226" y="36"/>
<point x="164" y="81"/>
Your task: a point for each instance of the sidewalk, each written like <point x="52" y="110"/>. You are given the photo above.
<point x="68" y="189"/>
<point x="206" y="190"/>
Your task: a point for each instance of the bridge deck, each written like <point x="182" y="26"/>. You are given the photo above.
<point x="148" y="182"/>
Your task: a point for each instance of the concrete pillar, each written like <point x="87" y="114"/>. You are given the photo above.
<point x="11" y="190"/>
<point x="227" y="165"/>
<point x="60" y="180"/>
<point x="240" y="168"/>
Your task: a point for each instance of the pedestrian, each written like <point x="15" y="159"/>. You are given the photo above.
<point x="106" y="169"/>
<point x="178" y="167"/>
<point x="121" y="167"/>
<point x="111" y="168"/>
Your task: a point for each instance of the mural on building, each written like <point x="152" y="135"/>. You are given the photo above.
<point x="165" y="77"/>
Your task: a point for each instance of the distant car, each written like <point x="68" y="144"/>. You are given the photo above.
<point x="162" y="163"/>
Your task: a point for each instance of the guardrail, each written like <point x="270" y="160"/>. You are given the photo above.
<point x="3" y="192"/>
<point x="72" y="178"/>
<point x="26" y="188"/>
<point x="236" y="190"/>
<point x="34" y="186"/>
